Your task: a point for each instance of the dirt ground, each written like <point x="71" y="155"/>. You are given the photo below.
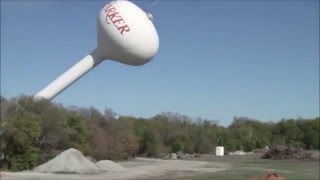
<point x="139" y="168"/>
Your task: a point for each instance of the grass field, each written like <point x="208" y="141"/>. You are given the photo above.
<point x="244" y="166"/>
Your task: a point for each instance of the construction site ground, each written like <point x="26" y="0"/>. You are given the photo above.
<point x="204" y="167"/>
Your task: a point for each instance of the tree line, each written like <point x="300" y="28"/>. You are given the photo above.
<point x="33" y="132"/>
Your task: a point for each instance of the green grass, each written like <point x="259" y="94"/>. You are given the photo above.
<point x="244" y="166"/>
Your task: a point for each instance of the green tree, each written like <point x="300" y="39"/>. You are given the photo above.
<point x="77" y="132"/>
<point x="152" y="144"/>
<point x="22" y="136"/>
<point x="290" y="131"/>
<point x="310" y="129"/>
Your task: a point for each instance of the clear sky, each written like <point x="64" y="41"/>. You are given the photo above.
<point x="217" y="59"/>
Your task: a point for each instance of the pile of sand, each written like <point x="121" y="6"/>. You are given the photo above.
<point x="110" y="166"/>
<point x="69" y="161"/>
<point x="73" y="161"/>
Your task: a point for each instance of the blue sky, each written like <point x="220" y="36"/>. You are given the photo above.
<point x="217" y="59"/>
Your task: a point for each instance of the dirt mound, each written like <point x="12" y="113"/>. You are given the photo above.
<point x="69" y="161"/>
<point x="270" y="176"/>
<point x="282" y="152"/>
<point x="109" y="166"/>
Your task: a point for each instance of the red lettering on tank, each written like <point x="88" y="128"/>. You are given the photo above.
<point x="124" y="28"/>
<point x="114" y="16"/>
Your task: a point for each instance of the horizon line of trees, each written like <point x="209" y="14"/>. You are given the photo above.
<point x="33" y="132"/>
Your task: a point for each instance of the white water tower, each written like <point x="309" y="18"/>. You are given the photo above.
<point x="126" y="34"/>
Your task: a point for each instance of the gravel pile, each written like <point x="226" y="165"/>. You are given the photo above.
<point x="110" y="166"/>
<point x="69" y="161"/>
<point x="73" y="161"/>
